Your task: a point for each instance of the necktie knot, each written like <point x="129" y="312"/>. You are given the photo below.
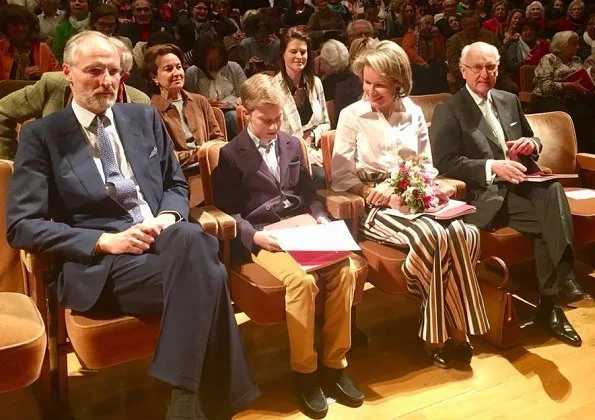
<point x="102" y="120"/>
<point x="265" y="146"/>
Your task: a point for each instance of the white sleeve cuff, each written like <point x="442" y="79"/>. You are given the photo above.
<point x="489" y="174"/>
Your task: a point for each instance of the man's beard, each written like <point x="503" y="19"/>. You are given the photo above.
<point x="102" y="102"/>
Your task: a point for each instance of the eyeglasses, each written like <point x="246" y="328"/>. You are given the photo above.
<point x="96" y="72"/>
<point x="490" y="68"/>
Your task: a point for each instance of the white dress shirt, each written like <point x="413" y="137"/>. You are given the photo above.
<point x="268" y="153"/>
<point x="366" y="141"/>
<point x="85" y="119"/>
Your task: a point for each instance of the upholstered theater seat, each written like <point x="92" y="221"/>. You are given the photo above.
<point x="508" y="244"/>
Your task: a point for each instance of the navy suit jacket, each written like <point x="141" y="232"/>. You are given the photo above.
<point x="58" y="202"/>
<point x="244" y="188"/>
<point x="462" y="141"/>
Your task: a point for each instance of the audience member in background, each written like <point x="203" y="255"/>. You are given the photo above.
<point x="373" y="134"/>
<point x="558" y="6"/>
<point x="217" y="79"/>
<point x="554" y="93"/>
<point x="527" y="50"/>
<point x="552" y="21"/>
<point x="252" y="170"/>
<point x="359" y="28"/>
<point x="144" y="24"/>
<point x="297" y="14"/>
<point x="22" y="55"/>
<point x="304" y="110"/>
<point x="50" y="94"/>
<point x="434" y="7"/>
<point x="371" y="15"/>
<point x="586" y="41"/>
<point x="452" y="25"/>
<point x="408" y="16"/>
<point x="49" y="18"/>
<point x="427" y="55"/>
<point x="156" y="38"/>
<point x="170" y="9"/>
<point x="575" y="20"/>
<point x="590" y="63"/>
<point x="324" y="23"/>
<point x="260" y="43"/>
<point x="104" y="19"/>
<point x="188" y="117"/>
<point x="463" y="6"/>
<point x="536" y="12"/>
<point x="75" y="20"/>
<point x="350" y="90"/>
<point x="471" y="33"/>
<point x="338" y="6"/>
<point x="497" y="23"/>
<point x="448" y="6"/>
<point x="481" y="133"/>
<point x="512" y="31"/>
<point x="334" y="63"/>
<point x="224" y="26"/>
<point x="479" y="7"/>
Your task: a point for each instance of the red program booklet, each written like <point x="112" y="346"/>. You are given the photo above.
<point x="583" y="77"/>
<point x="542" y="177"/>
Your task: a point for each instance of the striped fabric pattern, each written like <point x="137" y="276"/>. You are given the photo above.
<point x="439" y="270"/>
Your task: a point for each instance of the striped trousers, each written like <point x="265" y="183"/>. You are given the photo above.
<point x="439" y="270"/>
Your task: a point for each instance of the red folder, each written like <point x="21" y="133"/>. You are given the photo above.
<point x="314" y="260"/>
<point x="583" y="77"/>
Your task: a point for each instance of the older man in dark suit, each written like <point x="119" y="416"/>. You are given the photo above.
<point x="481" y="136"/>
<point x="98" y="185"/>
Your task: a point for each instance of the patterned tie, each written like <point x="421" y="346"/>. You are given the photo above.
<point x="494" y="124"/>
<point x="124" y="190"/>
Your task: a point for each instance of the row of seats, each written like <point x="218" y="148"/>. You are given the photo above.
<point x="104" y="342"/>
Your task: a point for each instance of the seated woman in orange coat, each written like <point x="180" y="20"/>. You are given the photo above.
<point x="22" y="55"/>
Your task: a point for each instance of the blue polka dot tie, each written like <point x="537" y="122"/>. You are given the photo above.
<point x="120" y="188"/>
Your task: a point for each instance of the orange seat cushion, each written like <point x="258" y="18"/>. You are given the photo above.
<point x="22" y="341"/>
<point x="101" y="342"/>
<point x="384" y="264"/>
<point x="506" y="243"/>
<point x="261" y="296"/>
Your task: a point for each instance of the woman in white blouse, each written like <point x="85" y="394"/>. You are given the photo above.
<point x="372" y="135"/>
<point x="304" y="110"/>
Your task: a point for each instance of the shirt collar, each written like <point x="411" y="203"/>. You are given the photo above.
<point x="162" y="104"/>
<point x="86" y="117"/>
<point x="363" y="107"/>
<point x="256" y="140"/>
<point x="478" y="99"/>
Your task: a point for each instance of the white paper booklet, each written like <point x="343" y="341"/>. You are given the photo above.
<point x="333" y="236"/>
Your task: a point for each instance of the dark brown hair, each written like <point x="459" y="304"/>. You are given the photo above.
<point x="308" y="72"/>
<point x="150" y="61"/>
<point x="103" y="10"/>
<point x="14" y="13"/>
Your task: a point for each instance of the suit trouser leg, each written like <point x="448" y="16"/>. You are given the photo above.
<point x="541" y="209"/>
<point x="199" y="346"/>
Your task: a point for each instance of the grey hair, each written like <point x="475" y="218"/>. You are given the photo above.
<point x="561" y="39"/>
<point x="533" y="4"/>
<point x="483" y="45"/>
<point x="76" y="42"/>
<point x="358" y="21"/>
<point x="335" y="55"/>
<point x="126" y="59"/>
<point x="574" y="3"/>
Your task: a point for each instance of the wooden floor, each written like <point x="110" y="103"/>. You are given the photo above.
<point x="542" y="379"/>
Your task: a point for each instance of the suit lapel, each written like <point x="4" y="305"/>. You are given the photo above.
<point x="504" y="114"/>
<point x="478" y="119"/>
<point x="253" y="159"/>
<point x="283" y="156"/>
<point x="74" y="148"/>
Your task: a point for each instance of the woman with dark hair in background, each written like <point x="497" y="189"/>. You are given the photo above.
<point x="304" y="110"/>
<point x="512" y="31"/>
<point x="75" y="20"/>
<point x="217" y="79"/>
<point x="479" y="6"/>
<point x="497" y="22"/>
<point x="22" y="55"/>
<point x="408" y="16"/>
<point x="260" y="44"/>
<point x="104" y="19"/>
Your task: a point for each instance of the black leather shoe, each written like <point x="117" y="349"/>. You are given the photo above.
<point x="439" y="357"/>
<point x="310" y="395"/>
<point x="558" y="326"/>
<point x="338" y="385"/>
<point x="572" y="294"/>
<point x="463" y="352"/>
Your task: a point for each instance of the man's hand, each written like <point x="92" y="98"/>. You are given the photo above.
<point x="134" y="240"/>
<point x="380" y="195"/>
<point x="524" y="146"/>
<point x="322" y="220"/>
<point x="509" y="170"/>
<point x="32" y="71"/>
<point x="267" y="241"/>
<point x="576" y="87"/>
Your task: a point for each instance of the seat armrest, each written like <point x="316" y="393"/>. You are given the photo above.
<point x="206" y="220"/>
<point x="342" y="205"/>
<point x="36" y="263"/>
<point x="35" y="266"/>
<point x="545" y="169"/>
<point x="459" y="186"/>
<point x="586" y="165"/>
<point x="226" y="225"/>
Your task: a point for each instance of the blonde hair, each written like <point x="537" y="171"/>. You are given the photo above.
<point x="560" y="40"/>
<point x="359" y="46"/>
<point x="389" y="60"/>
<point x="261" y="89"/>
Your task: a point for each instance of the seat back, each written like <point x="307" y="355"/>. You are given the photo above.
<point x="332" y="115"/>
<point x="9" y="86"/>
<point x="11" y="276"/>
<point x="556" y="132"/>
<point x="241" y="117"/>
<point x="526" y="76"/>
<point x="327" y="142"/>
<point x="208" y="158"/>
<point x="428" y="103"/>
<point x="220" y="117"/>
